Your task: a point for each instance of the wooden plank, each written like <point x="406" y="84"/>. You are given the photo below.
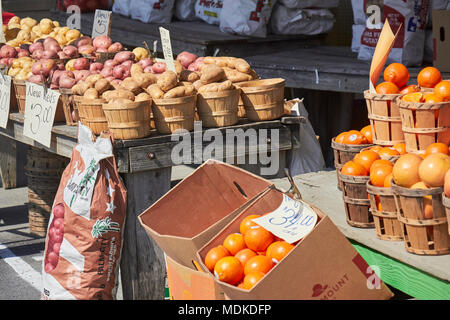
<point x="407" y="279"/>
<point x="320" y="189"/>
<point x="16" y="6"/>
<point x="12" y="162"/>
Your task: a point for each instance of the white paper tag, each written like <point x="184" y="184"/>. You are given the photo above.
<point x="40" y="110"/>
<point x="291" y="221"/>
<point x="5" y="99"/>
<point x="2" y="35"/>
<point x="167" y="49"/>
<point x="102" y="23"/>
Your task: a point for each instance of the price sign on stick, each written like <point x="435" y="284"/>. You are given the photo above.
<point x="5" y="98"/>
<point x="291" y="221"/>
<point x="40" y="109"/>
<point x="2" y="35"/>
<point x="167" y="49"/>
<point x="102" y="23"/>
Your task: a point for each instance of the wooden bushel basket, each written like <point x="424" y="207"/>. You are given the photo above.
<point x="422" y="236"/>
<point x="218" y="109"/>
<point x="130" y="120"/>
<point x="344" y="153"/>
<point x="20" y="90"/>
<point x="68" y="106"/>
<point x="92" y="115"/>
<point x="385" y="120"/>
<point x="387" y="225"/>
<point x="356" y="201"/>
<point x="263" y="99"/>
<point x="432" y="121"/>
<point x="173" y="114"/>
<point x="446" y="203"/>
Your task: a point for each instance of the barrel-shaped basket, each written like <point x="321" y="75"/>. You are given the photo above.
<point x="174" y="114"/>
<point x="70" y="113"/>
<point x="424" y="124"/>
<point x="20" y="90"/>
<point x="384" y="116"/>
<point x="384" y="212"/>
<point x="344" y="153"/>
<point x="424" y="236"/>
<point x="263" y="99"/>
<point x="92" y="115"/>
<point x="241" y="107"/>
<point x="128" y="120"/>
<point x="218" y="109"/>
<point x="356" y="201"/>
<point x="446" y="203"/>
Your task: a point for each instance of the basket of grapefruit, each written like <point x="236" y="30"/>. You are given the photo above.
<point x="418" y="186"/>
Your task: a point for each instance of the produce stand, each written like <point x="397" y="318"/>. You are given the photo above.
<point x="146" y="162"/>
<point x="422" y="277"/>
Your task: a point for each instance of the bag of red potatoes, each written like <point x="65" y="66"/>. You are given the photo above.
<point x="84" y="236"/>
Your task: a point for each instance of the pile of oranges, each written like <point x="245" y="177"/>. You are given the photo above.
<point x="244" y="258"/>
<point x="364" y="136"/>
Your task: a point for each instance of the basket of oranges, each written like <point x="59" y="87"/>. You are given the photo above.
<point x="417" y="182"/>
<point x="347" y="144"/>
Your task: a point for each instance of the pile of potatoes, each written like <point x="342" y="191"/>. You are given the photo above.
<point x="167" y="86"/>
<point x="211" y="78"/>
<point x="236" y="69"/>
<point x="21" y="68"/>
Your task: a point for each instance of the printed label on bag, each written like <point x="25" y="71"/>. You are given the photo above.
<point x="5" y="99"/>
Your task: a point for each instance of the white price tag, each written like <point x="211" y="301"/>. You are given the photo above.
<point x="2" y="35"/>
<point x="291" y="221"/>
<point x="40" y="109"/>
<point x="5" y="99"/>
<point x="167" y="49"/>
<point x="102" y="23"/>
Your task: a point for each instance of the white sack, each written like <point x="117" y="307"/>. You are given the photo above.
<point x="357" y="31"/>
<point x="122" y="7"/>
<point x="152" y="11"/>
<point x="208" y="10"/>
<point x="185" y="10"/>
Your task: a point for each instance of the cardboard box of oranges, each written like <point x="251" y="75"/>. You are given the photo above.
<point x="206" y="211"/>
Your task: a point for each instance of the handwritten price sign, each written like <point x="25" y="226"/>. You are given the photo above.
<point x="5" y="98"/>
<point x="102" y="23"/>
<point x="2" y="35"/>
<point x="167" y="49"/>
<point x="291" y="221"/>
<point x="40" y="109"/>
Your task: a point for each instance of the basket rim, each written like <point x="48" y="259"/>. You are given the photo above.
<point x="261" y="83"/>
<point x="172" y="101"/>
<point x="416" y="193"/>
<point x="126" y="106"/>
<point x="338" y="146"/>
<point x="380" y="96"/>
<point x="421" y="105"/>
<point x="379" y="190"/>
<point x="353" y="179"/>
<point x="219" y="94"/>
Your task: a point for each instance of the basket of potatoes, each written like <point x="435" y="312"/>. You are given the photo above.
<point x="173" y="103"/>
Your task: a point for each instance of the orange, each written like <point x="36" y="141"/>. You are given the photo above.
<point x="387" y="88"/>
<point x="380" y="162"/>
<point x="442" y="90"/>
<point x="278" y="250"/>
<point x="396" y="73"/>
<point x="432" y="98"/>
<point x="413" y="97"/>
<point x="366" y="158"/>
<point x="252" y="278"/>
<point x="258" y="239"/>
<point x="214" y="255"/>
<point x="259" y="264"/>
<point x="409" y="89"/>
<point x="427" y="200"/>
<point x="388" y="152"/>
<point x="437" y="147"/>
<point x="406" y="170"/>
<point x="387" y="181"/>
<point x="376" y="148"/>
<point x="354" y="137"/>
<point x="433" y="168"/>
<point x="379" y="174"/>
<point x="340" y="137"/>
<point x="244" y="255"/>
<point x="247" y="223"/>
<point x="428" y="77"/>
<point x="229" y="270"/>
<point x="400" y="147"/>
<point x="352" y="168"/>
<point x="234" y="243"/>
<point x="367" y="132"/>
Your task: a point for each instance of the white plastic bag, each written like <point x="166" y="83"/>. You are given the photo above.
<point x="309" y="157"/>
<point x="248" y="18"/>
<point x="152" y="11"/>
<point x="301" y="4"/>
<point x="409" y="45"/>
<point x="209" y="10"/>
<point x="185" y="10"/>
<point x="357" y="31"/>
<point x="301" y="21"/>
<point x="437" y="5"/>
<point x="122" y="7"/>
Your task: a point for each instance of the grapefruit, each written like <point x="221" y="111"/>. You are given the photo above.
<point x="406" y="170"/>
<point x="433" y="168"/>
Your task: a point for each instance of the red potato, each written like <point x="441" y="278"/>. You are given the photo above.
<point x="43" y="67"/>
<point x="67" y="82"/>
<point x="101" y="50"/>
<point x="59" y="211"/>
<point x="96" y="66"/>
<point x="186" y="58"/>
<point x="71" y="51"/>
<point x="102" y="42"/>
<point x="23" y="53"/>
<point x="85" y="40"/>
<point x="51" y="45"/>
<point x="58" y="223"/>
<point x="56" y="248"/>
<point x="37" y="54"/>
<point x="61" y="66"/>
<point x="10" y="61"/>
<point x="144" y="63"/>
<point x="81" y="75"/>
<point x="49" y="54"/>
<point x="36" y="78"/>
<point x="159" y="67"/>
<point x="49" y="267"/>
<point x="53" y="258"/>
<point x="81" y="64"/>
<point x="115" y="47"/>
<point x="62" y="55"/>
<point x="36" y="46"/>
<point x="110" y="63"/>
<point x="148" y="69"/>
<point x="87" y="49"/>
<point x="121" y="72"/>
<point x="8" y="52"/>
<point x="127" y="64"/>
<point x="124" y="56"/>
<point x="55" y="76"/>
<point x="107" y="72"/>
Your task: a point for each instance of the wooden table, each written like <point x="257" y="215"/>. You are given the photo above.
<point x="422" y="277"/>
<point x="145" y="166"/>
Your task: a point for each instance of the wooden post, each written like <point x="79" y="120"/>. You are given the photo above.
<point x="143" y="268"/>
<point x="12" y="163"/>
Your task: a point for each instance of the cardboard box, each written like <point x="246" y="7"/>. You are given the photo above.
<point x="441" y="39"/>
<point x="323" y="265"/>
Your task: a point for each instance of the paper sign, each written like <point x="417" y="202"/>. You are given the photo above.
<point x="167" y="49"/>
<point x="40" y="109"/>
<point x="5" y="99"/>
<point x="2" y="35"/>
<point x="102" y="23"/>
<point x="291" y="221"/>
<point x="381" y="54"/>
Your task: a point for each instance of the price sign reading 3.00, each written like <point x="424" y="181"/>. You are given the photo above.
<point x="5" y="98"/>
<point x="40" y="109"/>
<point x="291" y="221"/>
